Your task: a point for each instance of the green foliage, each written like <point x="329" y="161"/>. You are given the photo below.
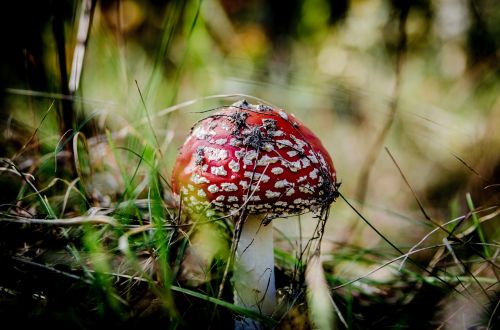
<point x="91" y="234"/>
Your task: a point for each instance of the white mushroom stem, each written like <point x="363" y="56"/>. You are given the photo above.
<point x="254" y="285"/>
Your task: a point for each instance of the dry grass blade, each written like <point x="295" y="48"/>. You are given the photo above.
<point x="321" y="306"/>
<point x="420" y="205"/>
<point x="76" y="221"/>
<point x="82" y="37"/>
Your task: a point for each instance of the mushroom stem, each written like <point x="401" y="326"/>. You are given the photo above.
<point x="253" y="276"/>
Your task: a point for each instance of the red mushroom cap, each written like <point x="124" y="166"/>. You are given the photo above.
<point x="253" y="157"/>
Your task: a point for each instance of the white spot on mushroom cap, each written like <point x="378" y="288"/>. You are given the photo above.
<point x="235" y="142"/>
<point x="276" y="133"/>
<point x="257" y="176"/>
<point x="283" y="115"/>
<point x="234" y="165"/>
<point x="213" y="188"/>
<point x="231" y="199"/>
<point x="244" y="184"/>
<point x="292" y="153"/>
<point x="300" y="201"/>
<point x="293" y="166"/>
<point x="290" y="191"/>
<point x="284" y="143"/>
<point x="272" y="194"/>
<point x="268" y="147"/>
<point x="314" y="173"/>
<point x="312" y="157"/>
<point x="253" y="198"/>
<point x="281" y="203"/>
<point x="220" y="198"/>
<point x="229" y="186"/>
<point x="221" y="141"/>
<point x="300" y="144"/>
<point x="255" y="187"/>
<point x="305" y="162"/>
<point x="307" y="189"/>
<point x="218" y="170"/>
<point x="323" y="161"/>
<point x="282" y="184"/>
<point x="202" y="193"/>
<point x="277" y="170"/>
<point x="198" y="179"/>
<point x="204" y="168"/>
<point x="221" y="205"/>
<point x="201" y="133"/>
<point x="249" y="156"/>
<point x="215" y="154"/>
<point x="266" y="160"/>
<point x="240" y="153"/>
<point x="190" y="187"/>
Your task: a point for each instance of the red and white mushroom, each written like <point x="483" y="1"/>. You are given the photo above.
<point x="262" y="163"/>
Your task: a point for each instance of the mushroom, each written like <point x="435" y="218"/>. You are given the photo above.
<point x="253" y="163"/>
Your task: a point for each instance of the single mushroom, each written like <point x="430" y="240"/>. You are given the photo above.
<point x="253" y="163"/>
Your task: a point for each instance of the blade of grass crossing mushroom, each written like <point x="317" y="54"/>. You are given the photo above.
<point x="322" y="311"/>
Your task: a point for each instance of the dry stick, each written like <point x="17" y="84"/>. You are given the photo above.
<point x="467" y="165"/>
<point x="82" y="38"/>
<point x="49" y="268"/>
<point x="420" y="205"/>
<point x="76" y="221"/>
<point x="69" y="86"/>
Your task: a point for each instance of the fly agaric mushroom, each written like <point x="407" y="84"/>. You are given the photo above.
<point x="255" y="163"/>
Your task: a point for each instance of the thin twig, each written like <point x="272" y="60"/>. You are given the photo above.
<point x="82" y="38"/>
<point x="76" y="221"/>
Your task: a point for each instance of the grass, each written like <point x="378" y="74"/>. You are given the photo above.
<point x="91" y="234"/>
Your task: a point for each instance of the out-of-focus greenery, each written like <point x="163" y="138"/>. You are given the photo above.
<point x="405" y="95"/>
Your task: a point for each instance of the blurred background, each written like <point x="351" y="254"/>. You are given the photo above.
<point x="405" y="95"/>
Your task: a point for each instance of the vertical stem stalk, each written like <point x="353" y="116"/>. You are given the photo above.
<point x="254" y="283"/>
